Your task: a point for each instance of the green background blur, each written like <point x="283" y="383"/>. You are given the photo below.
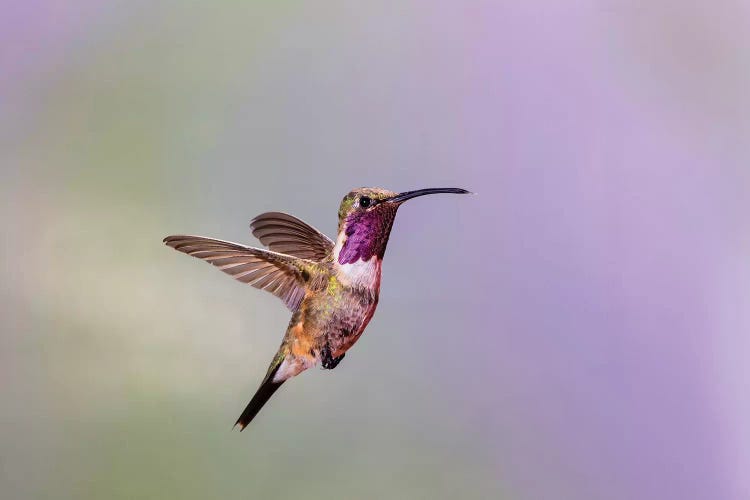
<point x="575" y="331"/>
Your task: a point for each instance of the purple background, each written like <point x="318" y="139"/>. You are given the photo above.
<point x="577" y="330"/>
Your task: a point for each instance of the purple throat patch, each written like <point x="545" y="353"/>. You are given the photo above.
<point x="366" y="235"/>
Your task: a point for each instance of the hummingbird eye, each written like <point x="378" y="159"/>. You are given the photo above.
<point x="365" y="202"/>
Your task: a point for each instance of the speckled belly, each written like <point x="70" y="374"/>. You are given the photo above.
<point x="342" y="338"/>
<point x="347" y="322"/>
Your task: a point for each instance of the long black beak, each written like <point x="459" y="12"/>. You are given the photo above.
<point x="408" y="195"/>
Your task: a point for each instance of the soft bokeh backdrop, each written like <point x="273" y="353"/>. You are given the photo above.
<point x="578" y="330"/>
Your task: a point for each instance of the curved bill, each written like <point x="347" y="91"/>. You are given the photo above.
<point x="408" y="195"/>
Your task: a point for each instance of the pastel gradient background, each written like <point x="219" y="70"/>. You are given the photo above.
<point x="578" y="330"/>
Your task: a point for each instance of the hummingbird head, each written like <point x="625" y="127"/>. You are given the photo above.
<point x="366" y="217"/>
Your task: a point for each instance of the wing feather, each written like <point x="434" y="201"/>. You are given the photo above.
<point x="282" y="275"/>
<point x="287" y="234"/>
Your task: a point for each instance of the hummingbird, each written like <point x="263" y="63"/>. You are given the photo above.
<point x="331" y="287"/>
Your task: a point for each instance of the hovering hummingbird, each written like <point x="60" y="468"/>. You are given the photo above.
<point x="331" y="287"/>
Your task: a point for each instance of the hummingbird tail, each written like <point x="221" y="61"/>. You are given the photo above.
<point x="261" y="397"/>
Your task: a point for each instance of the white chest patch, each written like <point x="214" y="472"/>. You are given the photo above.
<point x="361" y="273"/>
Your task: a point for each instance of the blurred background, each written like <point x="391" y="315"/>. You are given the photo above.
<point x="578" y="330"/>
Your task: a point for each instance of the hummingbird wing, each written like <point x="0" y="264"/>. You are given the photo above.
<point x="282" y="275"/>
<point x="287" y="234"/>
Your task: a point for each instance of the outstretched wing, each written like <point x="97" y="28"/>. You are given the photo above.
<point x="282" y="275"/>
<point x="287" y="234"/>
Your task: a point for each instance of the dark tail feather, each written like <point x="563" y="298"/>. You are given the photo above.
<point x="261" y="397"/>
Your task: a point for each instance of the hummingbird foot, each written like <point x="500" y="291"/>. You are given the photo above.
<point x="327" y="359"/>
